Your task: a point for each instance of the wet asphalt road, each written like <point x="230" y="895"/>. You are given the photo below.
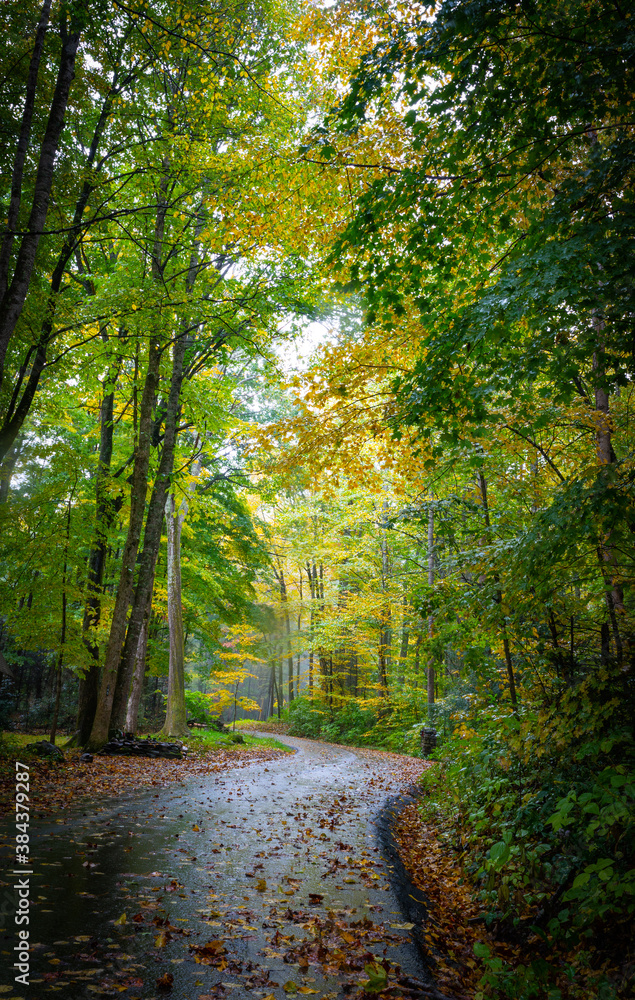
<point x="264" y="880"/>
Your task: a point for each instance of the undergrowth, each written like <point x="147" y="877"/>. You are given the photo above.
<point x="391" y="727"/>
<point x="541" y="806"/>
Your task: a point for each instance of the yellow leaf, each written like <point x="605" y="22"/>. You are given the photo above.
<point x="120" y="920"/>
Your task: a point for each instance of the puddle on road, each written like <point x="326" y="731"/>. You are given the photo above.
<point x="264" y="880"/>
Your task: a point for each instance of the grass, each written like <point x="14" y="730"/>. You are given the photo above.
<point x="210" y="739"/>
<point x="201" y="740"/>
<point x="11" y="743"/>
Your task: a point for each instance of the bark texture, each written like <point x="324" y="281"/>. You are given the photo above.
<point x="430" y="676"/>
<point x="151" y="542"/>
<point x="498" y="597"/>
<point x="132" y="710"/>
<point x="22" y="147"/>
<point x="13" y="300"/>
<point x="176" y="714"/>
<point x="35" y="360"/>
<point x="105" y="511"/>
<point x="138" y="492"/>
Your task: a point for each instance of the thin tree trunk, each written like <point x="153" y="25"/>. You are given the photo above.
<point x="385" y="633"/>
<point x="22" y="147"/>
<point x="279" y="688"/>
<point x="132" y="709"/>
<point x="176" y="713"/>
<point x="499" y="601"/>
<point x="8" y="467"/>
<point x="138" y="492"/>
<point x="430" y="677"/>
<point x="20" y="406"/>
<point x="417" y="663"/>
<point x="606" y="456"/>
<point x="60" y="658"/>
<point x="151" y="539"/>
<point x="268" y="706"/>
<point x="311" y="572"/>
<point x="284" y="600"/>
<point x="405" y="641"/>
<point x="13" y="300"/>
<point x="105" y="511"/>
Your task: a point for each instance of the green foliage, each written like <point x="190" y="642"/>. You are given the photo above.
<point x="198" y="706"/>
<point x="549" y="832"/>
<point x="354" y="724"/>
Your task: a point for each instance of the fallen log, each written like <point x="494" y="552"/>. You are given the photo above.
<point x="128" y="746"/>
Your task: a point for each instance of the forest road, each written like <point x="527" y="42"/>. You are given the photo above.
<point x="264" y="880"/>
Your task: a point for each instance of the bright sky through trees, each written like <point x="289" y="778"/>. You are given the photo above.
<point x="316" y="375"/>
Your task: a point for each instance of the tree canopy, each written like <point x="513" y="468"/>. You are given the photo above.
<point x="427" y="523"/>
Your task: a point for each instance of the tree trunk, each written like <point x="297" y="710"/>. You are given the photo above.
<point x="430" y="677"/>
<point x="7" y="468"/>
<point x="132" y="710"/>
<point x="60" y="658"/>
<point x="499" y="600"/>
<point x="405" y="641"/>
<point x="417" y="662"/>
<point x="284" y="600"/>
<point x="138" y="492"/>
<point x="13" y="300"/>
<point x="156" y="510"/>
<point x="176" y="714"/>
<point x="151" y="540"/>
<point x="385" y="633"/>
<point x="22" y="147"/>
<point x="105" y="511"/>
<point x="269" y="697"/>
<point x="606" y="456"/>
<point x="311" y="572"/>
<point x="20" y="406"/>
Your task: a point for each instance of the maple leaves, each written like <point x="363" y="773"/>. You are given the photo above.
<point x="453" y="924"/>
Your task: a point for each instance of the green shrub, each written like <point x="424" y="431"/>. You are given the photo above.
<point x="545" y="810"/>
<point x="197" y="705"/>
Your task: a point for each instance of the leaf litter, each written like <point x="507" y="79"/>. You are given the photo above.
<point x="336" y="939"/>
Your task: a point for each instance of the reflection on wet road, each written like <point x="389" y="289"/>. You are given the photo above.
<point x="264" y="880"/>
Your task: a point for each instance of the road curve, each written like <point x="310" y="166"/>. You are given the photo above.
<point x="263" y="880"/>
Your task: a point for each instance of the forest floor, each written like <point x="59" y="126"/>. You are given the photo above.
<point x="265" y="878"/>
<point x="444" y="924"/>
<point x="55" y="784"/>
